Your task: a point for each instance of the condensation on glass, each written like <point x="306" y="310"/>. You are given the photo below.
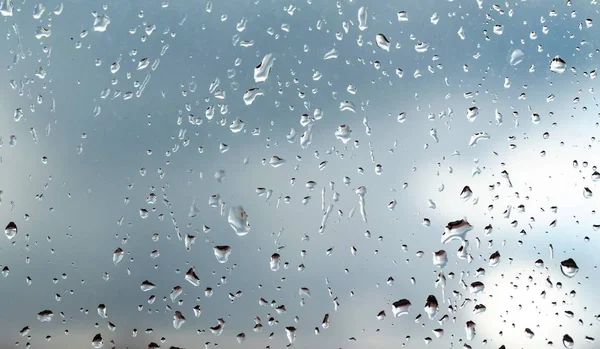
<point x="307" y="174"/>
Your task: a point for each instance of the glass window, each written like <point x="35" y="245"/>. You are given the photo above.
<point x="316" y="174"/>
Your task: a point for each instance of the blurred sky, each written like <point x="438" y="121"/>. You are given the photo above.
<point x="106" y="154"/>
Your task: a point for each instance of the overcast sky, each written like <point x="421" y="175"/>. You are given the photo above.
<point x="114" y="100"/>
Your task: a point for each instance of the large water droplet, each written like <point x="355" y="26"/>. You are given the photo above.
<point x="401" y="307"/>
<point x="262" y="70"/>
<point x="569" y="268"/>
<point x="45" y="315"/>
<point x="456" y="230"/>
<point x="362" y="18"/>
<point x="516" y="57"/>
<point x="222" y="253"/>
<point x="558" y="65"/>
<point x="238" y="220"/>
<point x="11" y="230"/>
<point x="382" y="42"/>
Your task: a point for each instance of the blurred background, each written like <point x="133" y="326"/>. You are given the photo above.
<point x="132" y="128"/>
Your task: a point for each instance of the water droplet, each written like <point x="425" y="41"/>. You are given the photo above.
<point x="529" y="333"/>
<point x="175" y="292"/>
<point x="251" y="94"/>
<point x="343" y="133"/>
<point x="222" y="253"/>
<point x="402" y="16"/>
<point x="568" y="341"/>
<point x="97" y="341"/>
<point x="382" y="42"/>
<point x="569" y="268"/>
<point x="45" y="315"/>
<point x="147" y="286"/>
<point x="456" y="230"/>
<point x="558" y="65"/>
<point x="178" y="320"/>
<point x="192" y="278"/>
<point x="275" y="262"/>
<point x="276" y="161"/>
<point x="11" y="230"/>
<point x="476" y="287"/>
<point x="477" y="137"/>
<point x="262" y="70"/>
<point x="6" y="8"/>
<point x="498" y="29"/>
<point x="101" y="22"/>
<point x="118" y="255"/>
<point x="466" y="193"/>
<point x="470" y="330"/>
<point x="238" y="220"/>
<point x="440" y="258"/>
<point x="516" y="57"/>
<point x="494" y="259"/>
<point x="431" y="306"/>
<point x="362" y="18"/>
<point x="587" y="193"/>
<point x="401" y="307"/>
<point x="102" y="311"/>
<point x="290" y="333"/>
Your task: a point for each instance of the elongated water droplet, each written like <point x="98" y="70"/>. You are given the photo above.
<point x="262" y="70"/>
<point x="456" y="230"/>
<point x="382" y="42"/>
<point x="362" y="18"/>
